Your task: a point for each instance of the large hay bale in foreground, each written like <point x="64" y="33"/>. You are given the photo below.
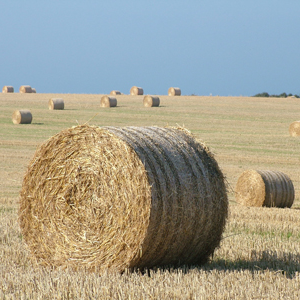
<point x="134" y="91"/>
<point x="22" y="116"/>
<point x="56" y="103"/>
<point x="8" y="89"/>
<point x="107" y="101"/>
<point x="120" y="198"/>
<point x="174" y="91"/>
<point x="150" y="101"/>
<point x="114" y="93"/>
<point x="25" y="89"/>
<point x="294" y="128"/>
<point x="264" y="188"/>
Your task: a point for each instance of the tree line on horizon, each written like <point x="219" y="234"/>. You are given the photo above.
<point x="283" y="95"/>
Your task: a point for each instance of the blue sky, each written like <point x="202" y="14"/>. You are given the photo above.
<point x="204" y="47"/>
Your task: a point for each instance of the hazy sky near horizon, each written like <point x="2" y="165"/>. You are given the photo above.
<point x="204" y="47"/>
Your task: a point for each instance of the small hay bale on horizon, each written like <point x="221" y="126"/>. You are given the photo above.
<point x="294" y="129"/>
<point x="33" y="90"/>
<point x="8" y="89"/>
<point x="134" y="91"/>
<point x="56" y="103"/>
<point x="150" y="101"/>
<point x="108" y="101"/>
<point x="25" y="89"/>
<point x="174" y="91"/>
<point x="122" y="197"/>
<point x="115" y="93"/>
<point x="265" y="188"/>
<point x="22" y="116"/>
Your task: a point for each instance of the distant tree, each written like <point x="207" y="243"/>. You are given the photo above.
<point x="264" y="94"/>
<point x="283" y="95"/>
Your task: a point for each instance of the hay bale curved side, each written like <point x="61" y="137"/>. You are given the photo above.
<point x="107" y="101"/>
<point x="22" y="116"/>
<point x="265" y="188"/>
<point x="134" y="91"/>
<point x="119" y="198"/>
<point x="294" y="128"/>
<point x="150" y="101"/>
<point x="8" y="89"/>
<point x="115" y="93"/>
<point x="56" y="103"/>
<point x="174" y="91"/>
<point x="25" y="89"/>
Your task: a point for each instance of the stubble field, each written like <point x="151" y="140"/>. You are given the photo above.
<point x="259" y="256"/>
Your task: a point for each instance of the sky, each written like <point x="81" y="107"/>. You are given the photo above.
<point x="209" y="47"/>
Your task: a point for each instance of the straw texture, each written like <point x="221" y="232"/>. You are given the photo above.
<point x="174" y="91"/>
<point x="107" y="101"/>
<point x="114" y="93"/>
<point x="134" y="91"/>
<point x="265" y="188"/>
<point x="294" y="128"/>
<point x="150" y="101"/>
<point x="25" y="89"/>
<point x="23" y="116"/>
<point x="56" y="103"/>
<point x="118" y="198"/>
<point x="8" y="89"/>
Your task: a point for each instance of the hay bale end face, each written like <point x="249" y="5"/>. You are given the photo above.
<point x="174" y="91"/>
<point x="8" y="89"/>
<point x="265" y="188"/>
<point x="107" y="101"/>
<point x="25" y="89"/>
<point x="150" y="101"/>
<point x="56" y="103"/>
<point x="118" y="198"/>
<point x="23" y="116"/>
<point x="294" y="129"/>
<point x="114" y="93"/>
<point x="134" y="91"/>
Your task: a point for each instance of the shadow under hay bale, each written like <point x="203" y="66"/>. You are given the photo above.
<point x="114" y="93"/>
<point x="264" y="188"/>
<point x="150" y="101"/>
<point x="294" y="128"/>
<point x="8" y="89"/>
<point x="25" y="89"/>
<point x="174" y="91"/>
<point x="134" y="91"/>
<point x="131" y="197"/>
<point x="56" y="103"/>
<point x="23" y="116"/>
<point x="107" y="101"/>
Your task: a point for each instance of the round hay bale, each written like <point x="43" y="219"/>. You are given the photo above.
<point x="8" y="89"/>
<point x="174" y="91"/>
<point x="114" y="93"/>
<point x="264" y="188"/>
<point x="134" y="91"/>
<point x="33" y="90"/>
<point x="150" y="101"/>
<point x="56" y="103"/>
<point x="25" y="89"/>
<point x="23" y="116"/>
<point x="107" y="101"/>
<point x="130" y="197"/>
<point x="294" y="128"/>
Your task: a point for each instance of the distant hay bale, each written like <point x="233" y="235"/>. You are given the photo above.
<point x="114" y="93"/>
<point x="23" y="116"/>
<point x="33" y="90"/>
<point x="294" y="128"/>
<point x="25" y="89"/>
<point x="56" y="103"/>
<point x="264" y="188"/>
<point x="8" y="89"/>
<point x="134" y="91"/>
<point x="174" y="91"/>
<point x="150" y="101"/>
<point x="130" y="197"/>
<point x="107" y="101"/>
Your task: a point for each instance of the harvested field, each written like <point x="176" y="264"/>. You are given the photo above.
<point x="259" y="255"/>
